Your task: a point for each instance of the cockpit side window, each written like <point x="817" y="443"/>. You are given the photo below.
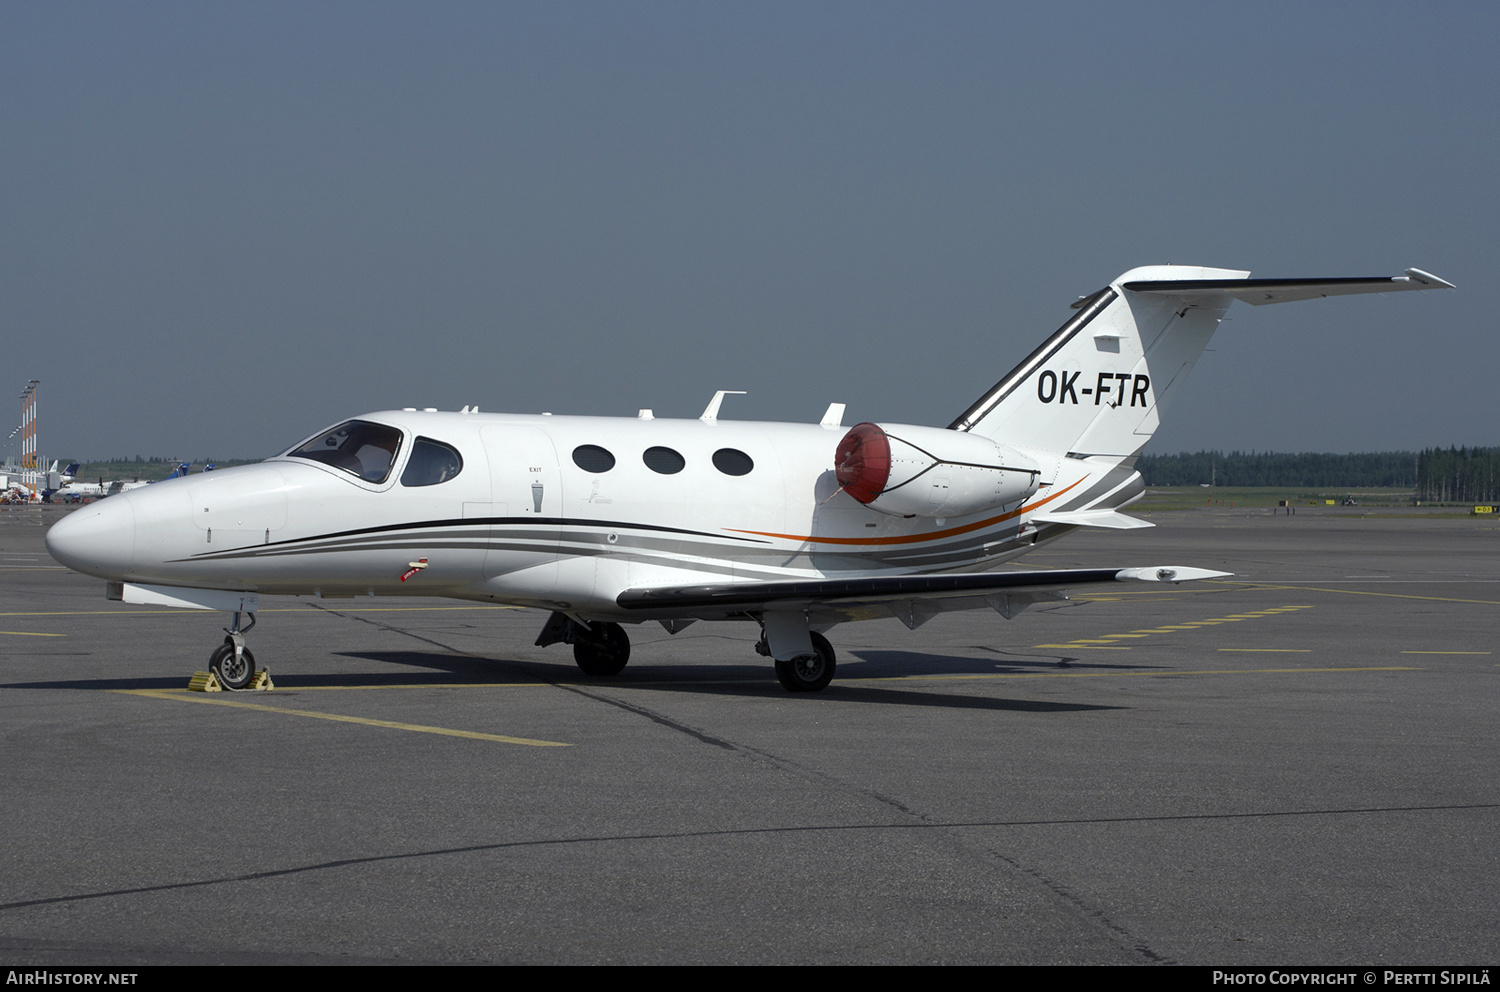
<point x="431" y="462"/>
<point x="358" y="447"/>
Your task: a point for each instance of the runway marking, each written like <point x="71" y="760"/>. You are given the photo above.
<point x="27" y="633"/>
<point x="410" y="609"/>
<point x="1106" y="643"/>
<point x="1081" y="647"/>
<point x="418" y="685"/>
<point x="1358" y="592"/>
<point x="180" y="695"/>
<point x="180" y="611"/>
<point x="1445" y="652"/>
<point x="1272" y="650"/>
<point x="1100" y="675"/>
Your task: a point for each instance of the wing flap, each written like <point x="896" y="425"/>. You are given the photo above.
<point x="904" y="596"/>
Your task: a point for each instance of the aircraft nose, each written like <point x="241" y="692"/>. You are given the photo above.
<point x="96" y="539"/>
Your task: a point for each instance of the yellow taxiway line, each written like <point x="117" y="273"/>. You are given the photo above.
<point x="1352" y="592"/>
<point x="179" y="611"/>
<point x="184" y="697"/>
<point x="1445" y="652"/>
<point x="1270" y="650"/>
<point x="1103" y="675"/>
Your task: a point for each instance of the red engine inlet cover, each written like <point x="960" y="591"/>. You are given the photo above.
<point x="862" y="463"/>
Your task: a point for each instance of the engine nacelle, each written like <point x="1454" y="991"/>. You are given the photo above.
<point x="930" y="472"/>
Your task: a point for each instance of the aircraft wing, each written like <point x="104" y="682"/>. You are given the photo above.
<point x="913" y="599"/>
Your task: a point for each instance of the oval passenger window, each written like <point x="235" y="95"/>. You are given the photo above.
<point x="663" y="460"/>
<point x="592" y="458"/>
<point x="732" y="461"/>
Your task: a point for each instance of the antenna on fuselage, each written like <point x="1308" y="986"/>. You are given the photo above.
<point x="711" y="414"/>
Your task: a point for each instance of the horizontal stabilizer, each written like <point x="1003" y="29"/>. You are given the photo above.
<point x="1111" y="519"/>
<point x="1259" y="292"/>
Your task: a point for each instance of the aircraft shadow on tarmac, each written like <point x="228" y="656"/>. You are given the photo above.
<point x="894" y="664"/>
<point x="750" y="679"/>
<point x="179" y="682"/>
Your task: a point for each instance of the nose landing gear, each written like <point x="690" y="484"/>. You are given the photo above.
<point x="232" y="663"/>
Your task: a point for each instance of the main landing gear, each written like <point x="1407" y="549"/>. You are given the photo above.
<point x="232" y="663"/>
<point x="805" y="661"/>
<point x="805" y="672"/>
<point x="600" y="648"/>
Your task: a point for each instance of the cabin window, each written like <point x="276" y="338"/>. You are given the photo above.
<point x="431" y="462"/>
<point x="663" y="460"/>
<point x="592" y="458"/>
<point x="358" y="447"/>
<point x="732" y="461"/>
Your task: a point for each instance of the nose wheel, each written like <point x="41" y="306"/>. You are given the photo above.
<point x="232" y="663"/>
<point x="234" y="669"/>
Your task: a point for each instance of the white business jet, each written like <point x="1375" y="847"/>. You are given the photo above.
<point x="603" y="521"/>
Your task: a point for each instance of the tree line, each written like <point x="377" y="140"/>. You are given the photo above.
<point x="1458" y="475"/>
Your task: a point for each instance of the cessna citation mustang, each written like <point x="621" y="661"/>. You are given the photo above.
<point x="603" y="521"/>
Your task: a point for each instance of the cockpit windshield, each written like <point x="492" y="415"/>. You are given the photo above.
<point x="358" y="447"/>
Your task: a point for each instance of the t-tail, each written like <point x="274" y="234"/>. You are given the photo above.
<point x="1090" y="397"/>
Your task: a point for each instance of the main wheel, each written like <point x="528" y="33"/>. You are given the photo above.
<point x="809" y="673"/>
<point x="605" y="651"/>
<point x="232" y="673"/>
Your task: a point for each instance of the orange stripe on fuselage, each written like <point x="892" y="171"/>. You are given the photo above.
<point x="910" y="538"/>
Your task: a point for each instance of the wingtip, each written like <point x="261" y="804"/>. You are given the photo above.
<point x="1428" y="280"/>
<point x="1169" y="573"/>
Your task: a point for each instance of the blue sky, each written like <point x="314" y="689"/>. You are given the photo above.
<point x="227" y="225"/>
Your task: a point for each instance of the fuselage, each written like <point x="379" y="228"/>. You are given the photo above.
<point x="562" y="513"/>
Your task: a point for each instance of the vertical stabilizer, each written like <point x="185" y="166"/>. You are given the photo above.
<point x="1099" y="384"/>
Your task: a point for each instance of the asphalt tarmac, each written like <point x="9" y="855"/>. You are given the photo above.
<point x="1296" y="766"/>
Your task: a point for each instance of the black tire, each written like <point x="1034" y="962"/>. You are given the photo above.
<point x="808" y="674"/>
<point x="230" y="674"/>
<point x="605" y="651"/>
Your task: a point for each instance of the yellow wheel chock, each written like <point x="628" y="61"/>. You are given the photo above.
<point x="209" y="682"/>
